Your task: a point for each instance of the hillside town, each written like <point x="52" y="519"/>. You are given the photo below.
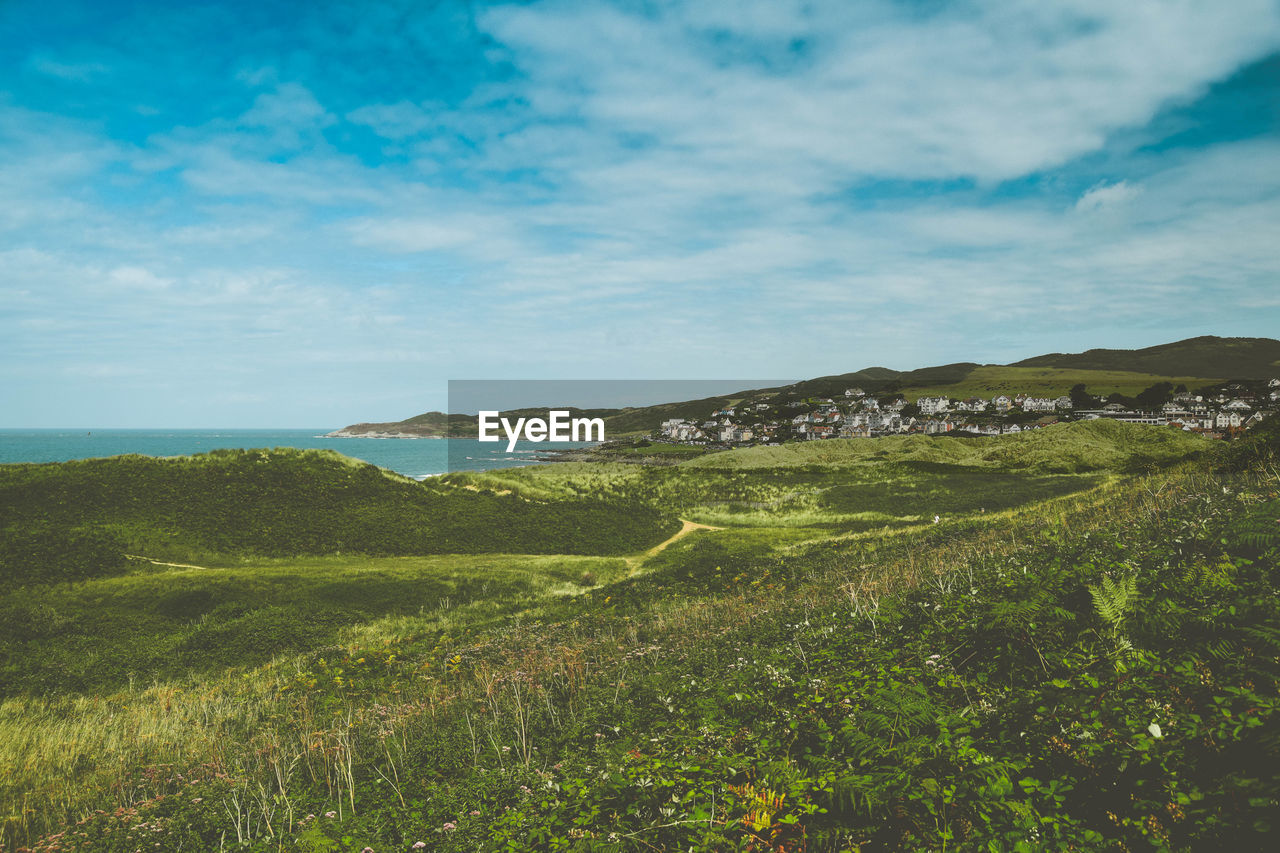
<point x="1220" y="411"/>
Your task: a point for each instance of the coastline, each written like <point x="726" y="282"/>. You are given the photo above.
<point x="342" y="433"/>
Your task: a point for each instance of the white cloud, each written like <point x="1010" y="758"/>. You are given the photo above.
<point x="138" y="278"/>
<point x="1104" y="195"/>
<point x="989" y="90"/>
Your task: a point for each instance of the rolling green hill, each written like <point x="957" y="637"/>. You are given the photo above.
<point x="1228" y="358"/>
<point x="990" y="380"/>
<point x="232" y="503"/>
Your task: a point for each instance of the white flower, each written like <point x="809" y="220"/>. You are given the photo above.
<point x="1154" y="728"/>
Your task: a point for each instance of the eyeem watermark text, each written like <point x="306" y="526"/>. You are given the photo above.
<point x="558" y="426"/>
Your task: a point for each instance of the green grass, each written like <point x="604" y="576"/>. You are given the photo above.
<point x="1063" y="448"/>
<point x="831" y="668"/>
<point x="924" y="491"/>
<point x="991" y="381"/>
<point x="206" y="508"/>
<point x="164" y="623"/>
<point x="845" y="486"/>
<point x="674" y="451"/>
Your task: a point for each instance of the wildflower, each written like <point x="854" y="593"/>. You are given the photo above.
<point x="367" y="850"/>
<point x="474" y="813"/>
<point x="330" y="815"/>
<point x="1154" y="728"/>
<point x="418" y="845"/>
<point x="450" y="826"/>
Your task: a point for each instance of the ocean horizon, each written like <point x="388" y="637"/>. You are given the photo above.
<point x="413" y="457"/>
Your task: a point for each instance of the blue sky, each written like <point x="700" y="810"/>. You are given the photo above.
<point x="274" y="214"/>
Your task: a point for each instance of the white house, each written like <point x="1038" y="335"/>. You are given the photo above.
<point x="933" y="405"/>
<point x="1227" y="420"/>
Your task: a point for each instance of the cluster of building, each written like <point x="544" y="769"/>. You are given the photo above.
<point x="1232" y="408"/>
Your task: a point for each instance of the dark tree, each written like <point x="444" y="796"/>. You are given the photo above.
<point x="1082" y="399"/>
<point x="1155" y="396"/>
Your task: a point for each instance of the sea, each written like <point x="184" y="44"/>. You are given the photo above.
<point x="414" y="457"/>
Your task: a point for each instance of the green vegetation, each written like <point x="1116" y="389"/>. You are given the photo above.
<point x="1240" y="358"/>
<point x="1090" y="663"/>
<point x="220" y="506"/>
<point x="39" y="553"/>
<point x="845" y="486"/>
<point x="644" y="449"/>
<point x="163" y="622"/>
<point x="990" y="381"/>
<point x="1064" y="448"/>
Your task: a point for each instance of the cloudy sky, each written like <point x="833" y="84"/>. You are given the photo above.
<point x="265" y="214"/>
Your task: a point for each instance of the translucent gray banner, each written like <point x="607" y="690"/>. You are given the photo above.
<point x="500" y="423"/>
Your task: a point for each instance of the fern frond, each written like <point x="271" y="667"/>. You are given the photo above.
<point x="1111" y="599"/>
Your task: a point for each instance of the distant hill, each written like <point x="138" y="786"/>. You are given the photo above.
<point x="1227" y="358"/>
<point x="427" y="425"/>
<point x="440" y="425"/>
<point x="1195" y="362"/>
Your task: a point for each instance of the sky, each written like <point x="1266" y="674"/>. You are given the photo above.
<point x="310" y="214"/>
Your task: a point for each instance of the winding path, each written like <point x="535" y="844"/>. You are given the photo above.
<point x="633" y="562"/>
<point x="687" y="527"/>
<point x="159" y="563"/>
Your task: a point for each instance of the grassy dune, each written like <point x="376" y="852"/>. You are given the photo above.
<point x="221" y="506"/>
<point x="1062" y="448"/>
<point x="1086" y="664"/>
<point x="164" y="623"/>
<point x="864" y="484"/>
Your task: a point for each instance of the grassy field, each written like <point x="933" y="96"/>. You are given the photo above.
<point x="218" y="507"/>
<point x="858" y="484"/>
<point x="991" y="381"/>
<point x="165" y="622"/>
<point x="1063" y="448"/>
<point x="1079" y="654"/>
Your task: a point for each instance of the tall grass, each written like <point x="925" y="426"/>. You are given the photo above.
<point x="254" y="739"/>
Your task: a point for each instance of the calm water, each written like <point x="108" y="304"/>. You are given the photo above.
<point x="412" y="457"/>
